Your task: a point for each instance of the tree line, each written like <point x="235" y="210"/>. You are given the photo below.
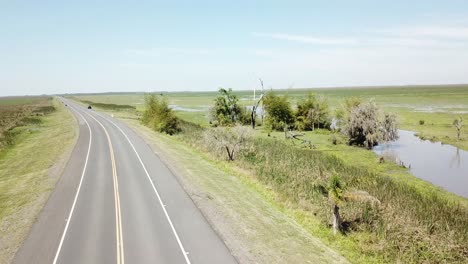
<point x="363" y="122"/>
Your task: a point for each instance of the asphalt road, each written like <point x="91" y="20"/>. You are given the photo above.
<point x="116" y="202"/>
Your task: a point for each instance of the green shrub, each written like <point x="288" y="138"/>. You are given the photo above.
<point x="30" y="120"/>
<point x="313" y="112"/>
<point x="421" y="122"/>
<point x="278" y="111"/>
<point x="335" y="139"/>
<point x="8" y="137"/>
<point x="159" y="116"/>
<point x="226" y="110"/>
<point x="45" y="109"/>
<point x="244" y="117"/>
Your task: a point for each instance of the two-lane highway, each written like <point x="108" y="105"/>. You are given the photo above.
<point x="117" y="202"/>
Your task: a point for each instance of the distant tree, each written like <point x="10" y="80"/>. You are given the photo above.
<point x="159" y="116"/>
<point x="278" y="111"/>
<point x="226" y="110"/>
<point x="458" y="124"/>
<point x="389" y="128"/>
<point x="313" y="112"/>
<point x="338" y="120"/>
<point x="364" y="128"/>
<point x="352" y="102"/>
<point x="341" y="113"/>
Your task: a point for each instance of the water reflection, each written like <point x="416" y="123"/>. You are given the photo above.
<point x="443" y="165"/>
<point x="456" y="160"/>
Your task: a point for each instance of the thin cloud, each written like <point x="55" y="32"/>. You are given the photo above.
<point x="424" y="37"/>
<point x="309" y="39"/>
<point x="439" y="32"/>
<point x="413" y="42"/>
<point x="159" y="52"/>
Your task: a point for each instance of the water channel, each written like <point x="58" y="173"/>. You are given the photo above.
<point x="442" y="165"/>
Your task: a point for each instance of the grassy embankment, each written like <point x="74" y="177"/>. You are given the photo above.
<point x="30" y="163"/>
<point x="417" y="222"/>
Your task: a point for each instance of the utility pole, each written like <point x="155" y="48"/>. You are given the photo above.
<point x="254" y="93"/>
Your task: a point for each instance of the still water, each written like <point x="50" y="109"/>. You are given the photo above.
<point x="443" y="165"/>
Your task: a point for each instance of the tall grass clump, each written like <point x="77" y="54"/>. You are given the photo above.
<point x="408" y="225"/>
<point x="159" y="116"/>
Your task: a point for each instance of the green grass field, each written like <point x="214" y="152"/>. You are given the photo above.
<point x="18" y="100"/>
<point x="438" y="106"/>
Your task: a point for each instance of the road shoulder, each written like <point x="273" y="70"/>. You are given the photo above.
<point x="30" y="242"/>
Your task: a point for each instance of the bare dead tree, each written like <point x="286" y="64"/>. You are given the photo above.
<point x="228" y="139"/>
<point x="253" y="115"/>
<point x="298" y="137"/>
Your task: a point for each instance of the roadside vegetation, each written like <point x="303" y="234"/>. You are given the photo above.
<point x="227" y="110"/>
<point x="385" y="209"/>
<point x="107" y="106"/>
<point x="159" y="116"/>
<point x="16" y="114"/>
<point x="30" y="162"/>
<point x="437" y="106"/>
<point x="333" y="184"/>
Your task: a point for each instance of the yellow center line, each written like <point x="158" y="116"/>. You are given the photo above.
<point x="118" y="215"/>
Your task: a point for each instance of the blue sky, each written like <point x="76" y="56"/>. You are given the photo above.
<point x="101" y="46"/>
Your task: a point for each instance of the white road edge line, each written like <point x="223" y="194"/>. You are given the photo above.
<point x="155" y="190"/>
<point x="77" y="190"/>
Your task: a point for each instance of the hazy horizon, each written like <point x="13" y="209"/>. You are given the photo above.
<point x="52" y="47"/>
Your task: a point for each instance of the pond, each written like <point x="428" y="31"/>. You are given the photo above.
<point x="442" y="165"/>
<point x="186" y="109"/>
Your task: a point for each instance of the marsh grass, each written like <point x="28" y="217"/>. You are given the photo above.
<point x="434" y="229"/>
<point x="413" y="224"/>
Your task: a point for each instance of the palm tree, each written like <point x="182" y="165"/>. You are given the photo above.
<point x="337" y="194"/>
